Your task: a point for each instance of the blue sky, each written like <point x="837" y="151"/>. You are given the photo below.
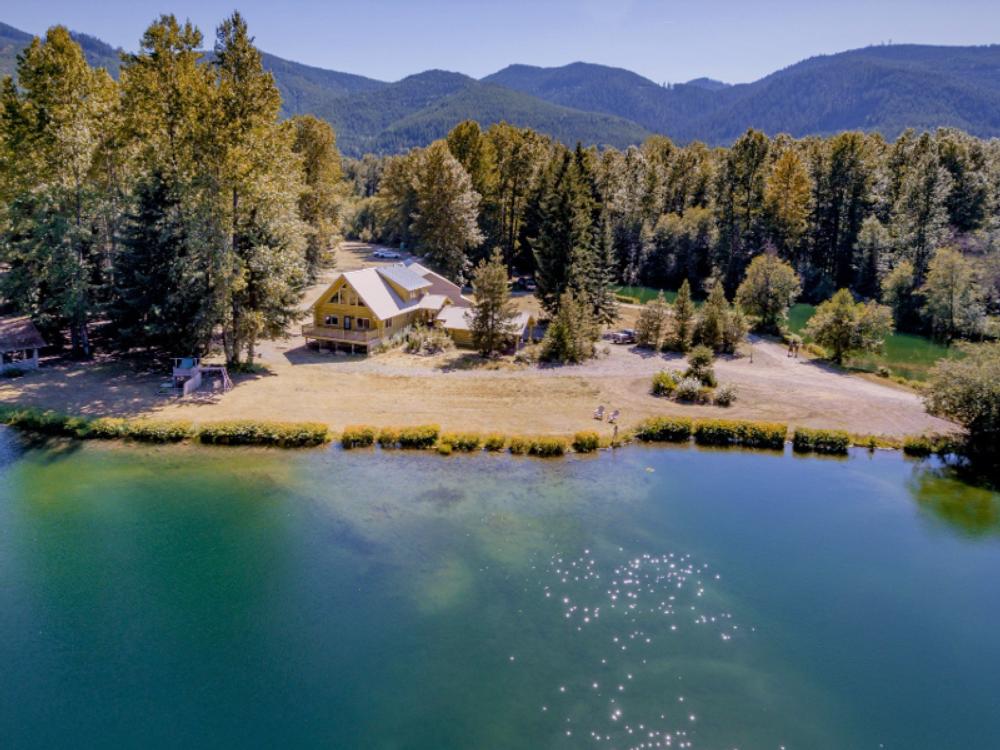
<point x="665" y="40"/>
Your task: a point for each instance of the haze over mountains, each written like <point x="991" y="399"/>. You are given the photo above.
<point x="885" y="89"/>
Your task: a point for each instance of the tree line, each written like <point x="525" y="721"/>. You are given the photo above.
<point x="913" y="223"/>
<point x="169" y="208"/>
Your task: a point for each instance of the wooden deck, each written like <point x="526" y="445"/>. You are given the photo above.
<point x="335" y="336"/>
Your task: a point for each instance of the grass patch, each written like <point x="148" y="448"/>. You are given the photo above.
<point x="807" y="440"/>
<point x="388" y="437"/>
<point x="158" y="431"/>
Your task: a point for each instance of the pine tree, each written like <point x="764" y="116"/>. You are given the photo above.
<point x="493" y="313"/>
<point x="572" y="332"/>
<point x="920" y="216"/>
<point x="683" y="320"/>
<point x="712" y="321"/>
<point x="649" y="328"/>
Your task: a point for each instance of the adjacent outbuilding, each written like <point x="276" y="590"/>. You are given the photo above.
<point x="20" y="344"/>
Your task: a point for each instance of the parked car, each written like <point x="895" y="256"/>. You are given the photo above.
<point x="525" y="284"/>
<point x="386" y="254"/>
<point x="624" y="336"/>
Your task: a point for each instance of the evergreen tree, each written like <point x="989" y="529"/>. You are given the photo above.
<point x="900" y="292"/>
<point x="682" y="328"/>
<point x="920" y="216"/>
<point x="572" y="332"/>
<point x="874" y="248"/>
<point x="649" y="328"/>
<point x="711" y="327"/>
<point x="445" y="221"/>
<point x="493" y="313"/>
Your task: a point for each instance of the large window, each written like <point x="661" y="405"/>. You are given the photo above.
<point x="331" y="320"/>
<point x="363" y="324"/>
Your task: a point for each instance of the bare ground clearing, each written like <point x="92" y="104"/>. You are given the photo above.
<point x="457" y="392"/>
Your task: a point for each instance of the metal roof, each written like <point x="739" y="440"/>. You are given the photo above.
<point x="403" y="277"/>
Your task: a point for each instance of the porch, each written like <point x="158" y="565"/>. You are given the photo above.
<point x="334" y="337"/>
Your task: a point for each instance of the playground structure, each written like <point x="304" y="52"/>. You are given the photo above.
<point x="188" y="373"/>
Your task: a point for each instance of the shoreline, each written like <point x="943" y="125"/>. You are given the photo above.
<point x="715" y="433"/>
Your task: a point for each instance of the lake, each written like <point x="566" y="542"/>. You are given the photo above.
<point x="668" y="597"/>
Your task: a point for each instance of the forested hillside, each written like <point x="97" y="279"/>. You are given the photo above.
<point x="885" y="89"/>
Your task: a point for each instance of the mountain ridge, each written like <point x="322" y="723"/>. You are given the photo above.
<point x="884" y="88"/>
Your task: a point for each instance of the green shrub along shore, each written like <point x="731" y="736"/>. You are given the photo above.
<point x="709" y="432"/>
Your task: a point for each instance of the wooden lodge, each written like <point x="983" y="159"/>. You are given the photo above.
<point x="363" y="308"/>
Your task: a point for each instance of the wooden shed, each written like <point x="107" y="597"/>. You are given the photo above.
<point x="20" y="343"/>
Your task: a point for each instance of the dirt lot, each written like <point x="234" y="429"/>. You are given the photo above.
<point x="456" y="391"/>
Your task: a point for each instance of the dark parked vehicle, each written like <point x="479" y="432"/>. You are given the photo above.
<point x="624" y="336"/>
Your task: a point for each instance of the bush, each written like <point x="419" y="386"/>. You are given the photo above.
<point x="357" y="436"/>
<point x="664" y="430"/>
<point x="462" y="441"/>
<point x="925" y="445"/>
<point x="883" y="371"/>
<point x="519" y="445"/>
<point x="280" y="434"/>
<point x="421" y="436"/>
<point x="423" y="340"/>
<point x="538" y="446"/>
<point x="158" y="431"/>
<point x="700" y="365"/>
<point x="46" y="422"/>
<point x="586" y="442"/>
<point x="689" y="389"/>
<point x="104" y="428"/>
<point x="725" y="395"/>
<point x="664" y="384"/>
<point x="821" y="441"/>
<point x="547" y="447"/>
<point x="494" y="442"/>
<point x="388" y="437"/>
<point x="737" y="432"/>
<point x="444" y="449"/>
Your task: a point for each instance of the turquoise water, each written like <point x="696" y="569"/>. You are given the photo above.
<point x="184" y="597"/>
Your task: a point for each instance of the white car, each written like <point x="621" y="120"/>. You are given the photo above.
<point x="386" y="254"/>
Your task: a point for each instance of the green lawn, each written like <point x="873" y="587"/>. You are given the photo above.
<point x="644" y="293"/>
<point x="906" y="354"/>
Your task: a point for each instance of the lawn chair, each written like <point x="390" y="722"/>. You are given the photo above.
<point x="599" y="413"/>
<point x="613" y="419"/>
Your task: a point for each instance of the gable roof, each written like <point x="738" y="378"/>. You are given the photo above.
<point x="403" y="277"/>
<point x="19" y="333"/>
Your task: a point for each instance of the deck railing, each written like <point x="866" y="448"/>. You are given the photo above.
<point x="329" y="333"/>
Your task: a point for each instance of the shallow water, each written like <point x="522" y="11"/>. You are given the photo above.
<point x="186" y="597"/>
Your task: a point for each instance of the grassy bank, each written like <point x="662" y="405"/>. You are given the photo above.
<point x="677" y="430"/>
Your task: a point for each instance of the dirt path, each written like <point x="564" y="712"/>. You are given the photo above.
<point x="457" y="392"/>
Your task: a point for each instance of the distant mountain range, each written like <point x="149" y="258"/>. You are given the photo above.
<point x="885" y="89"/>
